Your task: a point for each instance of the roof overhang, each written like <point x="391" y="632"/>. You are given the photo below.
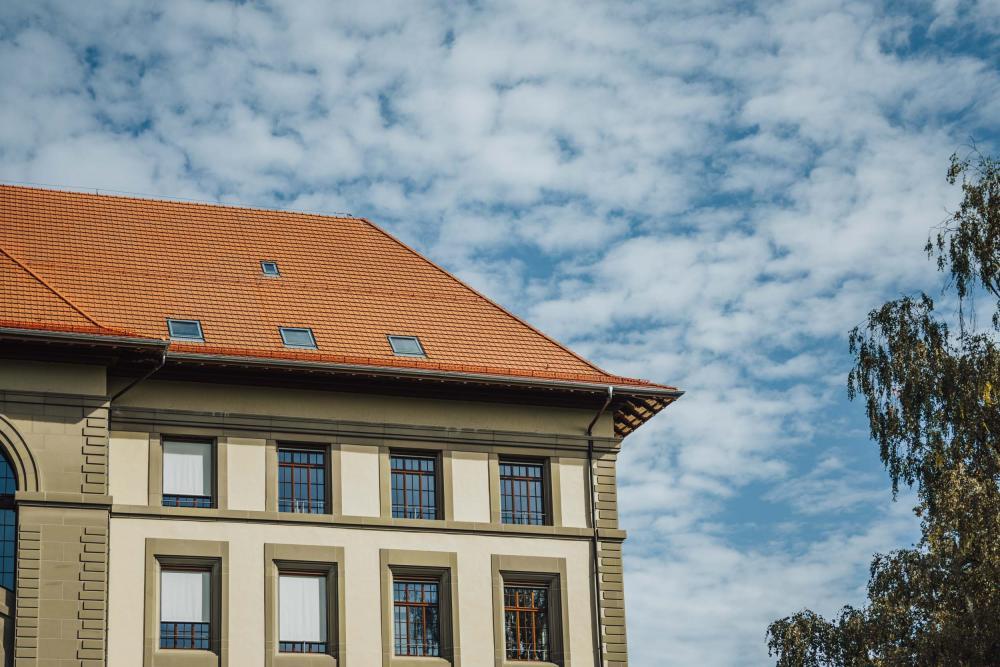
<point x="124" y="354"/>
<point x="631" y="405"/>
<point x="49" y="337"/>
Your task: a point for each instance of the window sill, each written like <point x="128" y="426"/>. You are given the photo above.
<point x="304" y="660"/>
<point x="193" y="511"/>
<point x="165" y="657"/>
<point x="417" y="661"/>
<point x="158" y="511"/>
<point x="529" y="663"/>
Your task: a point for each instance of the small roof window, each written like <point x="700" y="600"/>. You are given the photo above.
<point x="269" y="268"/>
<point x="298" y="337"/>
<point x="406" y="346"/>
<point x="185" y="329"/>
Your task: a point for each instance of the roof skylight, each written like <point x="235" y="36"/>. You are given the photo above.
<point x="298" y="337"/>
<point x="269" y="268"/>
<point x="406" y="346"/>
<point x="185" y="329"/>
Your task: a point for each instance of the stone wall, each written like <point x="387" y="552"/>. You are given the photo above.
<point x="58" y="444"/>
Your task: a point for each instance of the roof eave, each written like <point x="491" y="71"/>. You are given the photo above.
<point x="454" y="376"/>
<point x="49" y="335"/>
<point x="634" y="404"/>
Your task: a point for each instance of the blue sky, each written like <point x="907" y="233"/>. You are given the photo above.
<point x="706" y="194"/>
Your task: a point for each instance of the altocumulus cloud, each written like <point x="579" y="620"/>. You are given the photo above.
<point x="708" y="194"/>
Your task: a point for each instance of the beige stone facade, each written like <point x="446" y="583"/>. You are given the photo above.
<point x="92" y="531"/>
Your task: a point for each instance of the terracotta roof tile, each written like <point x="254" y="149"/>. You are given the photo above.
<point x="77" y="261"/>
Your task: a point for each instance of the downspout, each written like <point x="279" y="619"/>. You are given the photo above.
<point x="594" y="545"/>
<point x="163" y="360"/>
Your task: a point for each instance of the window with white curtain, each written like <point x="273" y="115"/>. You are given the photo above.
<point x="185" y="608"/>
<point x="187" y="473"/>
<point x="302" y="612"/>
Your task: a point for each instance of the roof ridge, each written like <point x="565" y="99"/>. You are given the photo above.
<point x="27" y="269"/>
<point x="485" y="298"/>
<point x="102" y="193"/>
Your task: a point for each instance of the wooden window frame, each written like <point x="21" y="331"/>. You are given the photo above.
<point x="425" y="605"/>
<point x="538" y="572"/>
<point x="549" y="517"/>
<point x="310" y="560"/>
<point x="436" y="474"/>
<point x="540" y="651"/>
<point x="407" y="565"/>
<point x="324" y="451"/>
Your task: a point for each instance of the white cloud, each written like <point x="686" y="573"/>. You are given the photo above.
<point x="706" y="194"/>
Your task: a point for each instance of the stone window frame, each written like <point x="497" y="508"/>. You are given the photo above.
<point x="551" y="483"/>
<point x="215" y="557"/>
<point x="332" y="446"/>
<point x="439" y="482"/>
<point x="441" y="564"/>
<point x="331" y="454"/>
<point x="445" y="481"/>
<point x="328" y="470"/>
<point x="328" y="561"/>
<point x="550" y="572"/>
<point x="220" y="470"/>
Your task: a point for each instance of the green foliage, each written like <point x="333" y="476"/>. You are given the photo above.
<point x="933" y="402"/>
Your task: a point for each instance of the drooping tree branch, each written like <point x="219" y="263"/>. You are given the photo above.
<point x="931" y="399"/>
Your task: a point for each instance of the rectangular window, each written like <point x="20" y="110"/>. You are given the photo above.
<point x="298" y="337"/>
<point x="185" y="330"/>
<point x="416" y="617"/>
<point x="522" y="492"/>
<point x="302" y="605"/>
<point x="187" y="474"/>
<point x="526" y="622"/>
<point x="185" y="608"/>
<point x="414" y="486"/>
<point x="406" y="346"/>
<point x="301" y="480"/>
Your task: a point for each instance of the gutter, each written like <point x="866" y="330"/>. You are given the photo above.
<point x="594" y="545"/>
<point x="74" y="337"/>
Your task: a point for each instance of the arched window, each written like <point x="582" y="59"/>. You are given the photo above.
<point x="8" y="524"/>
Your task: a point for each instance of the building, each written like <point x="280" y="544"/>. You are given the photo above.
<point x="253" y="438"/>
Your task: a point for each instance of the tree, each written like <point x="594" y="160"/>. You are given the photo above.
<point x="931" y="387"/>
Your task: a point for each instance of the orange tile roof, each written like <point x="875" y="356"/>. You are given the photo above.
<point x="101" y="264"/>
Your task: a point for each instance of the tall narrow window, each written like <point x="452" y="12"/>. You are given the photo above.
<point x="185" y="608"/>
<point x="416" y="617"/>
<point x="414" y="486"/>
<point x="522" y="492"/>
<point x="302" y="619"/>
<point x="187" y="474"/>
<point x="526" y="622"/>
<point x="301" y="480"/>
<point x="8" y="524"/>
